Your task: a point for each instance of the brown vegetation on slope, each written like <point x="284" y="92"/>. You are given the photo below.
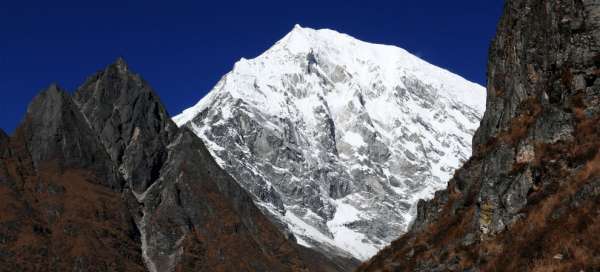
<point x="65" y="207"/>
<point x="529" y="198"/>
<point x="559" y="231"/>
<point x="61" y="219"/>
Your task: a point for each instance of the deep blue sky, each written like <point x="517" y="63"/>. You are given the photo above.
<point x="183" y="47"/>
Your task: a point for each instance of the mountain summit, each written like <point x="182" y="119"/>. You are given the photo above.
<point x="337" y="139"/>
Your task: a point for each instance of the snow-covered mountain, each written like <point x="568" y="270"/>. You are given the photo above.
<point x="337" y="139"/>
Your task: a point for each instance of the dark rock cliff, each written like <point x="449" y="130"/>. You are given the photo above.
<point x="130" y="120"/>
<point x="55" y="130"/>
<point x="61" y="208"/>
<point x="105" y="181"/>
<point x="528" y="199"/>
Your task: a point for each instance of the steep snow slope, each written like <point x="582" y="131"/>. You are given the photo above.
<point x="337" y="139"/>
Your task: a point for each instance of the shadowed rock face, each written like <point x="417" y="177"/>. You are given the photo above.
<point x="130" y="120"/>
<point x="55" y="130"/>
<point x="61" y="207"/>
<point x="109" y="183"/>
<point x="179" y="202"/>
<point x="223" y="224"/>
<point x="529" y="198"/>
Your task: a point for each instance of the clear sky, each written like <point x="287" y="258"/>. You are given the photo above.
<point x="184" y="47"/>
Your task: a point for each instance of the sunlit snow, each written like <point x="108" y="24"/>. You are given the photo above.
<point x="400" y="127"/>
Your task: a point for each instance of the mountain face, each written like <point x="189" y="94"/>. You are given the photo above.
<point x="61" y="208"/>
<point x="104" y="181"/>
<point x="529" y="198"/>
<point x="337" y="139"/>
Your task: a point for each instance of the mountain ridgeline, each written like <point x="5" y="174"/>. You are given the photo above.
<point x="529" y="198"/>
<point x="317" y="154"/>
<point x="104" y="181"/>
<point x="336" y="138"/>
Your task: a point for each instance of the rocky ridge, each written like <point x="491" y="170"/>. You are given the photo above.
<point x="104" y="181"/>
<point x="61" y="205"/>
<point x="529" y="198"/>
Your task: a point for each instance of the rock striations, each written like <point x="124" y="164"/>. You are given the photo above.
<point x="529" y="198"/>
<point x="104" y="181"/>
<point x="337" y="139"/>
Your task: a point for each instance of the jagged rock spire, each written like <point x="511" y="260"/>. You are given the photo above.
<point x="189" y="214"/>
<point x="130" y="119"/>
<point x="121" y="64"/>
<point x="57" y="132"/>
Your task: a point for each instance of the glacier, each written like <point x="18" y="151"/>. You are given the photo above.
<point x="337" y="139"/>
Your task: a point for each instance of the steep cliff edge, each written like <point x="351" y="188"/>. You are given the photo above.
<point x="529" y="198"/>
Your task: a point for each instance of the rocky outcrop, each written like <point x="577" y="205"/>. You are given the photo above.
<point x="528" y="199"/>
<point x="105" y="181"/>
<point x="55" y="130"/>
<point x="61" y="207"/>
<point x="130" y="120"/>
<point x="186" y="202"/>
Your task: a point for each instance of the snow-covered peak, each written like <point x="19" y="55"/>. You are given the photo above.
<point x="336" y="138"/>
<point x="392" y="61"/>
<point x="298" y="40"/>
<point x="336" y="52"/>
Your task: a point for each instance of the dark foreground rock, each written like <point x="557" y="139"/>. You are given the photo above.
<point x="529" y="198"/>
<point x="61" y="208"/>
<point x="105" y="181"/>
